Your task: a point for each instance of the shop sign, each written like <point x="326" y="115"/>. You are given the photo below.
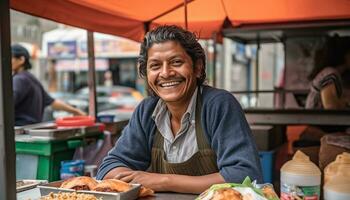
<point x="80" y="65"/>
<point x="63" y="49"/>
<point x="110" y="48"/>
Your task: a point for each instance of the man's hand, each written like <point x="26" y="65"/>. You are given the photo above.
<point x="151" y="180"/>
<point x="78" y="112"/>
<point x="166" y="182"/>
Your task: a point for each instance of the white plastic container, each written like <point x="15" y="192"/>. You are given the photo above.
<point x="300" y="179"/>
<point x="338" y="188"/>
<point x="337" y="178"/>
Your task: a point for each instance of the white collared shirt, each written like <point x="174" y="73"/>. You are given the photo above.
<point x="184" y="145"/>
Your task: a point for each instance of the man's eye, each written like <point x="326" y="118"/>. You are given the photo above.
<point x="154" y="66"/>
<point x="177" y="62"/>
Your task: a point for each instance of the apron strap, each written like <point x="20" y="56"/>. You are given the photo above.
<point x="202" y="141"/>
<point x="158" y="141"/>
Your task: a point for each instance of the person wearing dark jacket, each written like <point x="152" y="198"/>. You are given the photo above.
<point x="30" y="98"/>
<point x="187" y="136"/>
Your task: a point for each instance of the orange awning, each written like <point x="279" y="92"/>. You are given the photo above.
<point x="127" y="18"/>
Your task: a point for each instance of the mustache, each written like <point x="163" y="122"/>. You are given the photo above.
<point x="173" y="79"/>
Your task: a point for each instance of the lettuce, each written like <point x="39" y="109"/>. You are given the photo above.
<point x="246" y="183"/>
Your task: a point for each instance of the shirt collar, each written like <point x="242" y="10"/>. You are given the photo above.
<point x="188" y="115"/>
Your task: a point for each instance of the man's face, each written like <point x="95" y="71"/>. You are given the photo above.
<point x="170" y="72"/>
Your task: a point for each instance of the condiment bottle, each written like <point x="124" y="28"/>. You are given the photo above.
<point x="337" y="178"/>
<point x="300" y="178"/>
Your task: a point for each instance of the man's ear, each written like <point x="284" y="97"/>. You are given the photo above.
<point x="198" y="67"/>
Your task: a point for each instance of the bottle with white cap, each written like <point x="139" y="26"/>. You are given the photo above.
<point x="300" y="179"/>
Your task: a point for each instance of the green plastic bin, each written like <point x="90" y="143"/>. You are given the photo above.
<point x="49" y="156"/>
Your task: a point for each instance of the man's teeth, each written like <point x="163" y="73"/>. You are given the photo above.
<point x="169" y="84"/>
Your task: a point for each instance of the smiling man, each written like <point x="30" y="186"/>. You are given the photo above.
<point x="186" y="136"/>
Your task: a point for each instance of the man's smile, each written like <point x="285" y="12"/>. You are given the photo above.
<point x="169" y="83"/>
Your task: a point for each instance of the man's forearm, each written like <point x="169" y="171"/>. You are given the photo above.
<point x="191" y="184"/>
<point x="174" y="182"/>
<point x="114" y="172"/>
<point x="60" y="105"/>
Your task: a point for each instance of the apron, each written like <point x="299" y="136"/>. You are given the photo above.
<point x="201" y="163"/>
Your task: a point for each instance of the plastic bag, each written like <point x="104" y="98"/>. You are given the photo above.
<point x="246" y="190"/>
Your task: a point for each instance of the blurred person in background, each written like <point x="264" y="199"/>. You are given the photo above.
<point x="29" y="96"/>
<point x="328" y="89"/>
<point x="108" y="79"/>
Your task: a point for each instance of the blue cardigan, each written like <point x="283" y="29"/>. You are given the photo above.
<point x="223" y="122"/>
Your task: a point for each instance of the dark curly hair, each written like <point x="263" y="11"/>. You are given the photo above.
<point x="186" y="39"/>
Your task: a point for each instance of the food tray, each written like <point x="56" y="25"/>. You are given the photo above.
<point x="28" y="184"/>
<point x="23" y="129"/>
<point x="90" y="130"/>
<point x="129" y="195"/>
<point x="53" y="132"/>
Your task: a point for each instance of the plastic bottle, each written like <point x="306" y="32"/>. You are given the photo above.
<point x="337" y="178"/>
<point x="300" y="179"/>
<point x="341" y="166"/>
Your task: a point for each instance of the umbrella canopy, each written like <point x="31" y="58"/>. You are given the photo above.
<point x="128" y="18"/>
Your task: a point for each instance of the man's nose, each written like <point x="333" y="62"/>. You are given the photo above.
<point x="166" y="71"/>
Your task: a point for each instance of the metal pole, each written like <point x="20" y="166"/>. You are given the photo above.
<point x="7" y="141"/>
<point x="186" y="22"/>
<point x="257" y="70"/>
<point x="284" y="74"/>
<point x="227" y="50"/>
<point x="91" y="75"/>
<point x="214" y="58"/>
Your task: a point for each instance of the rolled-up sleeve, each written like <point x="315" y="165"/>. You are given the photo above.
<point x="231" y="139"/>
<point x="48" y="100"/>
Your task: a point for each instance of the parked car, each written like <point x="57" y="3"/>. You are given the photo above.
<point x="109" y="100"/>
<point x="118" y="113"/>
<point x="116" y="95"/>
